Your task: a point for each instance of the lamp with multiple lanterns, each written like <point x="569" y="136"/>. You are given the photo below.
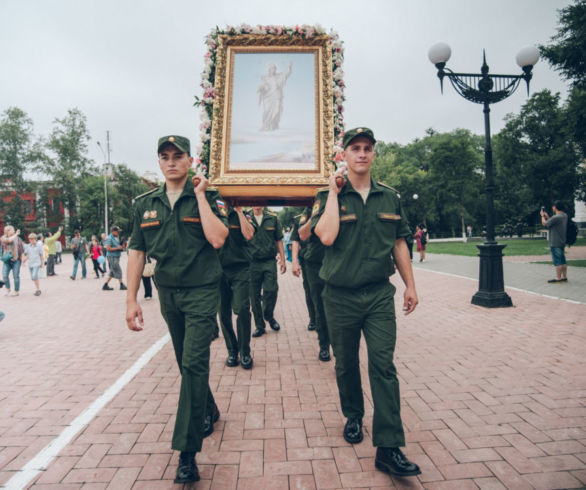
<point x="486" y="89"/>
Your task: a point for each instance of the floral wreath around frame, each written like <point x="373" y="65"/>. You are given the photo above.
<point x="206" y="103"/>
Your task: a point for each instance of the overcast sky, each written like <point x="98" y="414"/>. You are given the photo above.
<point x="133" y="67"/>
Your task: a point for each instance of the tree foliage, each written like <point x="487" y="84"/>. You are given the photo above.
<point x="67" y="163"/>
<point x="567" y="51"/>
<point x="567" y="54"/>
<point x="438" y="178"/>
<point x="536" y="160"/>
<point x="18" y="153"/>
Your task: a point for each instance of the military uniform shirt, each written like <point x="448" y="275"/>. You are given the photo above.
<point x="361" y="253"/>
<point x="313" y="249"/>
<point x="235" y="250"/>
<point x="299" y="221"/>
<point x="175" y="238"/>
<point x="263" y="246"/>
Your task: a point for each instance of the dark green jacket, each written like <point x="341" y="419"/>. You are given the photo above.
<point x="175" y="237"/>
<point x="312" y="250"/>
<point x="361" y="253"/>
<point x="264" y="244"/>
<point x="236" y="251"/>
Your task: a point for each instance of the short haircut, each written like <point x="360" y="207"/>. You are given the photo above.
<point x="559" y="205"/>
<point x="32" y="235"/>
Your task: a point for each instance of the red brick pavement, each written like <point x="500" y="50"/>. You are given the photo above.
<point x="490" y="398"/>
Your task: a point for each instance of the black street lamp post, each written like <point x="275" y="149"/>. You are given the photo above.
<point x="487" y="89"/>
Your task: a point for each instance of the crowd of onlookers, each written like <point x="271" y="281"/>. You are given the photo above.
<point x="41" y="252"/>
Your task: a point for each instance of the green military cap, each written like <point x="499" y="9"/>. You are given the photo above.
<point x="354" y="133"/>
<point x="180" y="142"/>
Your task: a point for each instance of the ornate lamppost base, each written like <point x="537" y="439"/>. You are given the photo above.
<point x="491" y="288"/>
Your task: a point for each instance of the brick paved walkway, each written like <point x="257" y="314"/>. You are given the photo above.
<point x="490" y="398"/>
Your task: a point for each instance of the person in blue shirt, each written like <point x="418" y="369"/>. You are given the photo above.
<point x="114" y="249"/>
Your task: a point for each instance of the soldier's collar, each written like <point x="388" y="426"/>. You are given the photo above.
<point x="374" y="187"/>
<point x="187" y="188"/>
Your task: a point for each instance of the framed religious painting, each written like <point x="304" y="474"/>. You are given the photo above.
<point x="271" y="113"/>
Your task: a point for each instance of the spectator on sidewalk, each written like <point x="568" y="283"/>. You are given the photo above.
<point x="51" y="243"/>
<point x="34" y="254"/>
<point x="95" y="254"/>
<point x="556" y="236"/>
<point x="421" y="239"/>
<point x="12" y="254"/>
<point x="114" y="250"/>
<point x="80" y="248"/>
<point x="104" y="251"/>
<point x="58" y="251"/>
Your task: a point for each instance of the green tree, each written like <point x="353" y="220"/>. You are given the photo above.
<point x="126" y="186"/>
<point x="287" y="215"/>
<point x="455" y="170"/>
<point x="567" y="51"/>
<point x="438" y="178"/>
<point x="67" y="163"/>
<point x="18" y="153"/>
<point x="567" y="54"/>
<point x="536" y="159"/>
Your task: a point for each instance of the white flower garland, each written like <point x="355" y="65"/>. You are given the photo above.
<point x="209" y="92"/>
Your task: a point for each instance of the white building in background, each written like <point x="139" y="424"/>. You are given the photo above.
<point x="151" y="178"/>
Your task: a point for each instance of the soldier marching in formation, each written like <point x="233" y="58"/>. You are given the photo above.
<point x="207" y="253"/>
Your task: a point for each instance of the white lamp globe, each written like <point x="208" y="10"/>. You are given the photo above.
<point x="415" y="196"/>
<point x="439" y="53"/>
<point x="528" y="56"/>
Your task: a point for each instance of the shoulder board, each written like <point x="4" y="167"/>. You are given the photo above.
<point x="269" y="211"/>
<point x="147" y="193"/>
<point x="388" y="187"/>
<point x="322" y="189"/>
<point x="299" y="215"/>
<point x="211" y="189"/>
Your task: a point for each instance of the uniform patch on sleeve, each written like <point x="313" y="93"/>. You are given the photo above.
<point x="348" y="217"/>
<point x="190" y="219"/>
<point x="316" y="207"/>
<point x="389" y="216"/>
<point x="150" y="224"/>
<point x="222" y="207"/>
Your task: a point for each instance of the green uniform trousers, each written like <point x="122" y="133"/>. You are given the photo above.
<point x="263" y="276"/>
<point x="235" y="296"/>
<point x="370" y="309"/>
<point x="308" y="298"/>
<point x="190" y="314"/>
<point x="316" y="286"/>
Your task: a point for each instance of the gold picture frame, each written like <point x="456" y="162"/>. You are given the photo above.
<point x="255" y="157"/>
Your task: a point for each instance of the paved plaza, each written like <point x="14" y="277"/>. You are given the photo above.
<point x="491" y="399"/>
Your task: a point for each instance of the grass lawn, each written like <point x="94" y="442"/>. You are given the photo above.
<point x="570" y="263"/>
<point x="514" y="247"/>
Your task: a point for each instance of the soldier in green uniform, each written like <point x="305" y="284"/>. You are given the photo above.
<point x="363" y="227"/>
<point x="298" y="263"/>
<point x="312" y="260"/>
<point x="235" y="288"/>
<point x="181" y="226"/>
<point x="268" y="239"/>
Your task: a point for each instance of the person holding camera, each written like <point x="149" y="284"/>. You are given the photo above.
<point x="556" y="236"/>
